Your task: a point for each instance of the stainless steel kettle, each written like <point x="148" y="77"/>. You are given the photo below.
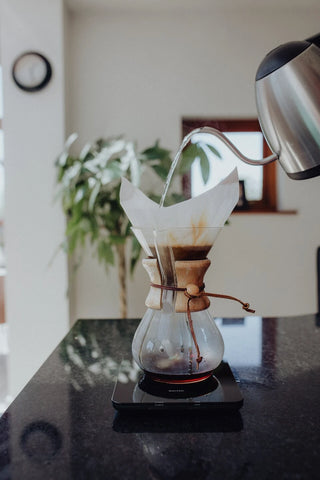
<point x="288" y="103"/>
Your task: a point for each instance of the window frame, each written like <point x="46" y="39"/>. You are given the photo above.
<point x="268" y="203"/>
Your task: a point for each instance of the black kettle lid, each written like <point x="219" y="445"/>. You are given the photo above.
<point x="281" y="55"/>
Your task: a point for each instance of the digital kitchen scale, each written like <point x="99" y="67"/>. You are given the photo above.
<point x="218" y="392"/>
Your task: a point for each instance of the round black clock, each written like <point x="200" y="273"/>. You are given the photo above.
<point x="31" y="71"/>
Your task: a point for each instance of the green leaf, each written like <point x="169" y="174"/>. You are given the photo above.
<point x="191" y="150"/>
<point x="135" y="254"/>
<point x="135" y="170"/>
<point x="185" y="164"/>
<point x="117" y="239"/>
<point x="205" y="167"/>
<point x="110" y="222"/>
<point x="76" y="237"/>
<point x="80" y="193"/>
<point x="189" y="155"/>
<point x="161" y="171"/>
<point x="94" y="228"/>
<point x="115" y="169"/>
<point x="84" y="152"/>
<point x="101" y="143"/>
<point x="70" y="140"/>
<point x="63" y="157"/>
<point x="156" y="152"/>
<point x="105" y="252"/>
<point x="214" y="151"/>
<point x="72" y="242"/>
<point x="72" y="226"/>
<point x="127" y="231"/>
<point x="60" y="173"/>
<point x="78" y="225"/>
<point x="71" y="174"/>
<point x="93" y="196"/>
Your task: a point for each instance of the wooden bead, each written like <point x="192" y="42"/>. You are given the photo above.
<point x="192" y="289"/>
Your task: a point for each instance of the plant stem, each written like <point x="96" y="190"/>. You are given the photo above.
<point x="122" y="277"/>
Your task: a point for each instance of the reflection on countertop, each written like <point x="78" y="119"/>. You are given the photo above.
<point x="63" y="425"/>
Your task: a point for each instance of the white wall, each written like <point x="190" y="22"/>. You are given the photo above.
<point x="36" y="302"/>
<point x="138" y="74"/>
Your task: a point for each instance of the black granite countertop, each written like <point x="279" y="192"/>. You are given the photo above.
<point x="63" y="424"/>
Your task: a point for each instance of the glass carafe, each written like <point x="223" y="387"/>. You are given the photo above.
<point x="177" y="339"/>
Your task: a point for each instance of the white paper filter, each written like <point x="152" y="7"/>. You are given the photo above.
<point x="206" y="211"/>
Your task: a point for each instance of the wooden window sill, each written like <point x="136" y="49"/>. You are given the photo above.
<point x="264" y="212"/>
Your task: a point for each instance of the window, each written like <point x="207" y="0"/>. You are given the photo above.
<point x="257" y="183"/>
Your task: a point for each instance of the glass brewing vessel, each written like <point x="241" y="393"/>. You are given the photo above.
<point x="177" y="339"/>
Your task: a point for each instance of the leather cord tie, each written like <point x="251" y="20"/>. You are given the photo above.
<point x="192" y="291"/>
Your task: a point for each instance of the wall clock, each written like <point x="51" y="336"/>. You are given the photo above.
<point x="31" y="71"/>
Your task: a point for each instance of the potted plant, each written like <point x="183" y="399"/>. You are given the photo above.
<point x="89" y="185"/>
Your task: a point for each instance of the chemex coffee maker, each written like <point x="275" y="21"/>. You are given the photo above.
<point x="177" y="340"/>
<point x="177" y="344"/>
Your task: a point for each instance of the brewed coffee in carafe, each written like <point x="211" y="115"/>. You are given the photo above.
<point x="177" y="339"/>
